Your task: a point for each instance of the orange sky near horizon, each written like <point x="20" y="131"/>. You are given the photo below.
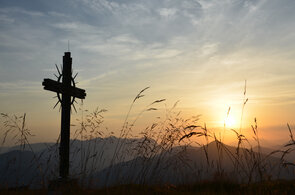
<point x="197" y="52"/>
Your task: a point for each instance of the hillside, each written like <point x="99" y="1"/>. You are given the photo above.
<point x="25" y="167"/>
<point x="111" y="161"/>
<point x="193" y="164"/>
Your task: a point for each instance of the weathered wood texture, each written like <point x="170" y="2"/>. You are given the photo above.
<point x="58" y="87"/>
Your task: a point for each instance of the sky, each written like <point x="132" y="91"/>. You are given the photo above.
<point x="197" y="52"/>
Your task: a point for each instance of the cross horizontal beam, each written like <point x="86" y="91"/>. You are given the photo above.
<point x="58" y="87"/>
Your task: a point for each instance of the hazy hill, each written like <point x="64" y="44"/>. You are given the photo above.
<point x="188" y="165"/>
<point x="289" y="156"/>
<point x="24" y="166"/>
<point x="37" y="147"/>
<point x="18" y="168"/>
<point x="110" y="161"/>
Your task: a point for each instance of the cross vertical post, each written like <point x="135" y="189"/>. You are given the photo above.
<point x="65" y="117"/>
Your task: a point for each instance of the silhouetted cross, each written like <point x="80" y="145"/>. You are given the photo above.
<point x="68" y="90"/>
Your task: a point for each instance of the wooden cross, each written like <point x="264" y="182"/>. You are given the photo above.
<point x="69" y="93"/>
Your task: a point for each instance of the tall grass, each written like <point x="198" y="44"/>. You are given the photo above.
<point x="164" y="150"/>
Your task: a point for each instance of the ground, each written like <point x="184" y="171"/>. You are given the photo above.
<point x="271" y="187"/>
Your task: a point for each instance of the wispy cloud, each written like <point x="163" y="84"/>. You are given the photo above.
<point x="192" y="49"/>
<point x="18" y="10"/>
<point x="19" y="86"/>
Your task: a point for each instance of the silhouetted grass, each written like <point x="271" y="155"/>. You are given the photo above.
<point x="163" y="146"/>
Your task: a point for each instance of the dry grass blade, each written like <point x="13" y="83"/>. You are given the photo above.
<point x="175" y="104"/>
<point x="245" y="101"/>
<point x="158" y="101"/>
<point x="243" y="107"/>
<point x="150" y="109"/>
<point x="291" y="134"/>
<point x="190" y="134"/>
<point x="139" y="95"/>
<point x="288" y="163"/>
<point x="228" y="112"/>
<point x="191" y="127"/>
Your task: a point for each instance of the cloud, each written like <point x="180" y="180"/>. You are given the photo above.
<point x="6" y="20"/>
<point x="67" y="26"/>
<point x="90" y="81"/>
<point x="20" y="86"/>
<point x="191" y="49"/>
<point x="167" y="13"/>
<point x="17" y="10"/>
<point x="209" y="49"/>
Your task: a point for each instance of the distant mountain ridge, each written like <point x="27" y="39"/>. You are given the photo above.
<point x="190" y="165"/>
<point x="85" y="157"/>
<point x="109" y="161"/>
<point x="36" y="147"/>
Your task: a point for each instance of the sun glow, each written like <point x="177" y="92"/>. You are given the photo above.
<point x="230" y="122"/>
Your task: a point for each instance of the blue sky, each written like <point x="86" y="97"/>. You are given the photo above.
<point x="196" y="51"/>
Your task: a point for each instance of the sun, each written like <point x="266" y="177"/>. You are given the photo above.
<point x="230" y="122"/>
